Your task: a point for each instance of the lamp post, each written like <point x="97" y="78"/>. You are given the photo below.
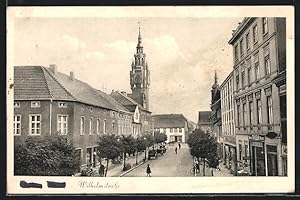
<point x="145" y="147"/>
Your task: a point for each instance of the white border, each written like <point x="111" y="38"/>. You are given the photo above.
<point x="157" y="185"/>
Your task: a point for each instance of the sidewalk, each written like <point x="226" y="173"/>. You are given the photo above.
<point x="224" y="172"/>
<point x="116" y="170"/>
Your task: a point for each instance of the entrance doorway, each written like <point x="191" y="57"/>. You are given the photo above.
<point x="272" y="160"/>
<point x="258" y="164"/>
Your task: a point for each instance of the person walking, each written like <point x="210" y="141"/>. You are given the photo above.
<point x="148" y="171"/>
<point x="179" y="145"/>
<point x="101" y="170"/>
<point x="176" y="150"/>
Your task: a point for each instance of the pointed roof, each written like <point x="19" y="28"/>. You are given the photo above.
<point x="215" y="85"/>
<point x="40" y="83"/>
<point x="139" y="37"/>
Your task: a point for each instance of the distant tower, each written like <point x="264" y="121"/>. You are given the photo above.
<point x="140" y="75"/>
<point x="215" y="90"/>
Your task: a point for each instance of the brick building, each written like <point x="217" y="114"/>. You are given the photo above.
<point x="48" y="102"/>
<point x="260" y="111"/>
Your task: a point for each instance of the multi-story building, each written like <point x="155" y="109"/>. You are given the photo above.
<point x="228" y="125"/>
<point x="142" y="122"/>
<point x="47" y="102"/>
<point x="204" y="122"/>
<point x="259" y="56"/>
<point x="175" y="126"/>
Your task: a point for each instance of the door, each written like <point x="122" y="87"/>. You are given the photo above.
<point x="176" y="138"/>
<point x="258" y="164"/>
<point x="94" y="156"/>
<point x="272" y="160"/>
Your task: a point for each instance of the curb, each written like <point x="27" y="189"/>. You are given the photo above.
<point x="126" y="172"/>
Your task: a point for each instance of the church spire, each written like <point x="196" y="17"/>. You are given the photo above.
<point x="216" y="77"/>
<point x="139" y="45"/>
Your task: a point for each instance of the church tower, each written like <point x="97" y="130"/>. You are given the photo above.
<point x="215" y="90"/>
<point x="140" y="75"/>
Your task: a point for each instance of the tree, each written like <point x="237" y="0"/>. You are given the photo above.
<point x="159" y="137"/>
<point x="109" y="147"/>
<point x="129" y="146"/>
<point x="52" y="155"/>
<point x="203" y="146"/>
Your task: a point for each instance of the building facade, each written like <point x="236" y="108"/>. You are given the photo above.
<point x="259" y="57"/>
<point x="175" y="126"/>
<point x="228" y="125"/>
<point x="47" y="102"/>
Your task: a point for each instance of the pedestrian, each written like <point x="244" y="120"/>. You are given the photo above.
<point x="179" y="145"/>
<point x="148" y="171"/>
<point x="176" y="150"/>
<point x="101" y="170"/>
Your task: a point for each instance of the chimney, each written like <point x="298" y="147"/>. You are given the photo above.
<point x="72" y="76"/>
<point x="53" y="68"/>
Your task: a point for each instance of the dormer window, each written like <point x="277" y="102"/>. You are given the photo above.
<point x="62" y="104"/>
<point x="91" y="109"/>
<point x="17" y="104"/>
<point x="35" y="104"/>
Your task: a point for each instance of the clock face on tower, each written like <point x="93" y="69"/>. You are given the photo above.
<point x="137" y="79"/>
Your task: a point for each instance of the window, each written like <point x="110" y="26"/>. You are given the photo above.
<point x="113" y="126"/>
<point x="241" y="48"/>
<point x="248" y="41"/>
<point x="171" y="130"/>
<point x="35" y="104"/>
<point x="62" y="124"/>
<point x="255" y="34"/>
<point x="249" y="75"/>
<point x="17" y="104"/>
<point x="17" y="125"/>
<point x="265" y="25"/>
<point x="270" y="110"/>
<point x="180" y="130"/>
<point x="256" y="66"/>
<point x="104" y="126"/>
<point x="62" y="104"/>
<point x="237" y="79"/>
<point x="236" y="57"/>
<point x="246" y="150"/>
<point x="175" y="130"/>
<point x="91" y="126"/>
<point x="244" y="114"/>
<point x="251" y="113"/>
<point x="82" y="126"/>
<point x="243" y="79"/>
<point x="34" y="124"/>
<point x="267" y="61"/>
<point x="258" y="102"/>
<point x="238" y="115"/>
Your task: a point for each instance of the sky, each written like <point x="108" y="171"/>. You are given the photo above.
<point x="182" y="54"/>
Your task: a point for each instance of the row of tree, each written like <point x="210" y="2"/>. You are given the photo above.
<point x="56" y="155"/>
<point x="204" y="147"/>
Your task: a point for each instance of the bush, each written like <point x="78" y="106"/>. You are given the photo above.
<point x="46" y="156"/>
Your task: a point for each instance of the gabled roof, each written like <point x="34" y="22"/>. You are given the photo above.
<point x="39" y="83"/>
<point x="169" y="121"/>
<point x="126" y="101"/>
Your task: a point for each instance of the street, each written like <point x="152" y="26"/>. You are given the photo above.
<point x="174" y="165"/>
<point x="168" y="165"/>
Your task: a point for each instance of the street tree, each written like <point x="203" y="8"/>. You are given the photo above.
<point x="159" y="137"/>
<point x="203" y="146"/>
<point x="129" y="147"/>
<point x="53" y="155"/>
<point x="109" y="147"/>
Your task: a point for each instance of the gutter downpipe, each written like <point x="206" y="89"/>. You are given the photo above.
<point x="50" y="116"/>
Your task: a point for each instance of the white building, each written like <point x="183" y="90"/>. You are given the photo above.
<point x="175" y="126"/>
<point x="228" y="125"/>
